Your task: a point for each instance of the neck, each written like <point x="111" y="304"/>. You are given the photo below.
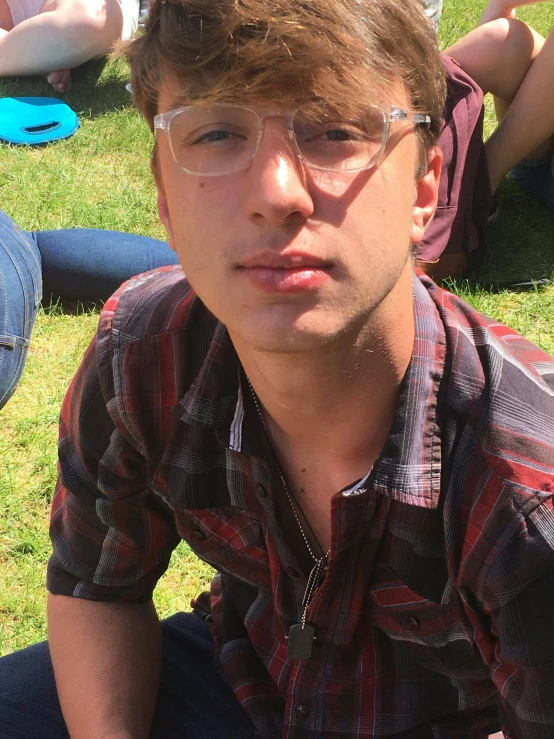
<point x="338" y="400"/>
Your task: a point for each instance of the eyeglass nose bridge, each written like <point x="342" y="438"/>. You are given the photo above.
<point x="289" y="117"/>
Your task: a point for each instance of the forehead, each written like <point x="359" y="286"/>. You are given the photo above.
<point x="174" y="93"/>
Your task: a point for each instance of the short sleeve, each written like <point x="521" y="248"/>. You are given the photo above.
<point x="112" y="537"/>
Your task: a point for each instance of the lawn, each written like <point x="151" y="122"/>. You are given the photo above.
<point x="100" y="178"/>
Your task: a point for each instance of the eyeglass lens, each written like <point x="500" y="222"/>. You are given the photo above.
<point x="224" y="139"/>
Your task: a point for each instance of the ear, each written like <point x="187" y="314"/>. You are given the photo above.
<point x="163" y="210"/>
<point x="427" y="193"/>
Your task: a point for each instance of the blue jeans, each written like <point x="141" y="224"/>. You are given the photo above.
<point x="536" y="176"/>
<point x="86" y="264"/>
<point x="193" y="701"/>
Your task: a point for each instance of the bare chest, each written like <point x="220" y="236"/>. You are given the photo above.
<point x="306" y="513"/>
<point x="312" y="489"/>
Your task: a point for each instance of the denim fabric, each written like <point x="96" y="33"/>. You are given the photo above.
<point x="193" y="701"/>
<point x="20" y="295"/>
<point x="86" y="264"/>
<point x="90" y="264"/>
<point x="536" y="176"/>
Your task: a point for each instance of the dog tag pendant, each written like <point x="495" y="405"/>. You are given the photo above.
<point x="300" y="641"/>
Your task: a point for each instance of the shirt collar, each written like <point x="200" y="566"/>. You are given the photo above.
<point x="409" y="468"/>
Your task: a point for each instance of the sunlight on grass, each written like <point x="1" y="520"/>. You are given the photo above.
<point x="29" y="424"/>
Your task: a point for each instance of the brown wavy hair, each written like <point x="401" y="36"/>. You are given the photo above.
<point x="287" y="53"/>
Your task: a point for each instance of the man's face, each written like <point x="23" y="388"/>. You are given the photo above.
<point x="291" y="258"/>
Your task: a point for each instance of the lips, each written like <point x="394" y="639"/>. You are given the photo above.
<point x="281" y="274"/>
<point x="293" y="261"/>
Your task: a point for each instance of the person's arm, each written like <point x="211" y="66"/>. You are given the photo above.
<point x="112" y="539"/>
<point x="106" y="659"/>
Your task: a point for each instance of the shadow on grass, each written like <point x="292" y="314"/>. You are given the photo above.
<point x="521" y="239"/>
<point x="91" y="94"/>
<point x="520" y="244"/>
<point x="54" y="305"/>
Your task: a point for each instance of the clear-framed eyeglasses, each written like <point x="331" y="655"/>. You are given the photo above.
<point x="224" y="139"/>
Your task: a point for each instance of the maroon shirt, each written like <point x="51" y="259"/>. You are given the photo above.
<point x="464" y="190"/>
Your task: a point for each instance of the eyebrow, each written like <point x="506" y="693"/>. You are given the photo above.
<point x="175" y="105"/>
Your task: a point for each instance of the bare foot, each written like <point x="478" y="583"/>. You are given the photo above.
<point x="60" y="79"/>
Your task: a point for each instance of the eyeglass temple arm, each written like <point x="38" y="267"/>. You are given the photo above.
<point x="398" y="114"/>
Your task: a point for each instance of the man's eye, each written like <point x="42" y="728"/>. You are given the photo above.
<point x="211" y="137"/>
<point x="341" y="134"/>
<point x="331" y="132"/>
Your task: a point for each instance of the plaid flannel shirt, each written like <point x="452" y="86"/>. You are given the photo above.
<point x="436" y="615"/>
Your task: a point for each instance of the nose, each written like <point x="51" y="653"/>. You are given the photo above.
<point x="277" y="188"/>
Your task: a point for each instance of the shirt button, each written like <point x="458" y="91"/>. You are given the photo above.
<point x="261" y="492"/>
<point x="302" y="711"/>
<point x="292" y="572"/>
<point x="198" y="535"/>
<point x="414" y="622"/>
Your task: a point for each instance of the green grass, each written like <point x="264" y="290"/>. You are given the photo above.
<point x="100" y="178"/>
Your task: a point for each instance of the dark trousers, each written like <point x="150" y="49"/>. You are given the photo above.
<point x="193" y="701"/>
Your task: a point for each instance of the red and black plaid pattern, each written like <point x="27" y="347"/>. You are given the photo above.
<point x="436" y="616"/>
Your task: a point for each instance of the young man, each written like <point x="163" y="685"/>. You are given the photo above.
<point x="366" y="461"/>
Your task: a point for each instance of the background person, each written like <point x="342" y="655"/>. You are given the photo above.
<point x="51" y="37"/>
<point x="513" y="62"/>
<point x="505" y="57"/>
<point x="80" y="264"/>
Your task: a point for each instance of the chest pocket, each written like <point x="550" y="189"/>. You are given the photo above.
<point x="433" y="635"/>
<point x="228" y="539"/>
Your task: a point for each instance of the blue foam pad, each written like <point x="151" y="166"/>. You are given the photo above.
<point x="31" y="120"/>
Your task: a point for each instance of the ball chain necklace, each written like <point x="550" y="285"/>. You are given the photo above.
<point x="301" y="636"/>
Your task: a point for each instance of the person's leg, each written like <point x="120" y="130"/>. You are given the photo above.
<point x="527" y="129"/>
<point x="64" y="34"/>
<point x="90" y="264"/>
<point x="60" y="79"/>
<point x="193" y="701"/>
<point x="514" y="63"/>
<point x="498" y="56"/>
<point x="20" y="294"/>
<point x="29" y="705"/>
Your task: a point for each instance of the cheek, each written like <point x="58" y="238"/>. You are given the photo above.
<point x="384" y="212"/>
<point x="190" y="212"/>
<point x="199" y="228"/>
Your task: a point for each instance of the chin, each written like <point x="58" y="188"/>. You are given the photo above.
<point x="296" y="338"/>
